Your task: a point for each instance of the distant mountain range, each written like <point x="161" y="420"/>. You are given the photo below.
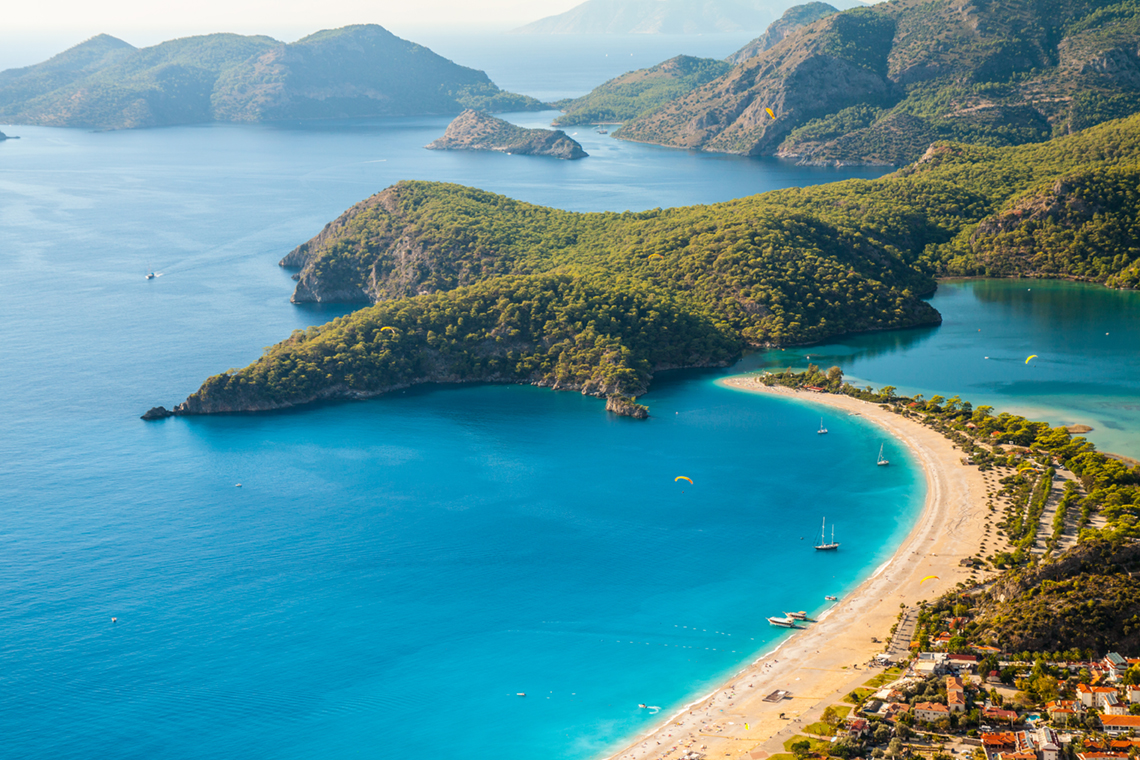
<point x="664" y="17"/>
<point x="880" y="84"/>
<point x="355" y="71"/>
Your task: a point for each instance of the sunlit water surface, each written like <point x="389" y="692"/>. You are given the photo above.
<point x="391" y="574"/>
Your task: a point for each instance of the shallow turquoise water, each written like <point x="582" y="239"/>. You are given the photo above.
<point x="1085" y="337"/>
<point x="387" y="569"/>
<point x="393" y="568"/>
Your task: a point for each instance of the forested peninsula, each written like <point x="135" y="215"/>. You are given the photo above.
<point x="877" y="85"/>
<point x="354" y="71"/>
<point x="469" y="286"/>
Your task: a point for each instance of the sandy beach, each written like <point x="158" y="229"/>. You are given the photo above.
<point x="827" y="660"/>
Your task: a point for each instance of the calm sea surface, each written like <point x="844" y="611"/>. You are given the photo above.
<point x="392" y="573"/>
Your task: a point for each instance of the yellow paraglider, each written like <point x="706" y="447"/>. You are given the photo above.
<point x="1032" y="356"/>
<point x="393" y="329"/>
<point x="682" y="477"/>
<point x="770" y="113"/>
<point x="655" y="256"/>
<point x="924" y="580"/>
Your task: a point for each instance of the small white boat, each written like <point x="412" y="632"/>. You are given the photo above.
<point x="883" y="461"/>
<point x="796" y="615"/>
<point x="831" y="598"/>
<point x="782" y="622"/>
<point x="822" y="430"/>
<point x="521" y="694"/>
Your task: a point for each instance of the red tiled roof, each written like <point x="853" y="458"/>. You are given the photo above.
<point x="1120" y="721"/>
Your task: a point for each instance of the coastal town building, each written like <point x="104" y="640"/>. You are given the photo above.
<point x="931" y="712"/>
<point x="997" y="714"/>
<point x="1116" y="666"/>
<point x="1064" y="710"/>
<point x="1114" y="706"/>
<point x="1133" y="693"/>
<point x="963" y="663"/>
<point x="1115" y="725"/>
<point x="858" y="728"/>
<point x="1094" y="696"/>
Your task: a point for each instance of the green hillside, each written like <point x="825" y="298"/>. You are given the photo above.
<point x="880" y="84"/>
<point x="613" y="298"/>
<point x="105" y="83"/>
<point x="639" y="92"/>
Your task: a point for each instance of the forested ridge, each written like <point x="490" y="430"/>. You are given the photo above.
<point x="787" y="267"/>
<point x="879" y="84"/>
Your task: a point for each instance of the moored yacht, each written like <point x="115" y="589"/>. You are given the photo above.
<point x="824" y="545"/>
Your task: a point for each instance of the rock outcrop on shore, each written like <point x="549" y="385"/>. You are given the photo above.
<point x="475" y="130"/>
<point x="626" y="407"/>
<point x="157" y="413"/>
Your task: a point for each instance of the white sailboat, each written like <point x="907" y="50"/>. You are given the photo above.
<point x="824" y="545"/>
<point x="883" y="461"/>
<point x="822" y="430"/>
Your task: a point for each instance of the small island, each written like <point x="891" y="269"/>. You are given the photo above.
<point x="475" y="130"/>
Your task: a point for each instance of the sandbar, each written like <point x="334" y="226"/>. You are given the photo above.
<point x="827" y="660"/>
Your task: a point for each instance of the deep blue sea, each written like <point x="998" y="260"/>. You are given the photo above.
<point x="390" y="573"/>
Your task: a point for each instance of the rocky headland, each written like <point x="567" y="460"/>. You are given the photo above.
<point x="475" y="130"/>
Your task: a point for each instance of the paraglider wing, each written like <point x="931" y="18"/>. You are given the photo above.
<point x="655" y="256"/>
<point x="682" y="477"/>
<point x="924" y="580"/>
<point x="770" y="113"/>
<point x="1031" y="356"/>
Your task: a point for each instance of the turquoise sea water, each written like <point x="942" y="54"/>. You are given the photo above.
<point x="387" y="570"/>
<point x="1085" y="338"/>
<point x="394" y="571"/>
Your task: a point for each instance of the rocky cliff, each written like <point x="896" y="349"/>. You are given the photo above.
<point x="879" y="84"/>
<point x="795" y="17"/>
<point x="474" y="130"/>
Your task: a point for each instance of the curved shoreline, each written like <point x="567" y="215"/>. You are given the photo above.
<point x="818" y="664"/>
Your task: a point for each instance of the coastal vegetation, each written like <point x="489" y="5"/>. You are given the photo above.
<point x="1066" y="583"/>
<point x="639" y="92"/>
<point x="788" y="267"/>
<point x="879" y="84"/>
<point x="365" y="70"/>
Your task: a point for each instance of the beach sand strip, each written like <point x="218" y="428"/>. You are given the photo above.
<point x="828" y="660"/>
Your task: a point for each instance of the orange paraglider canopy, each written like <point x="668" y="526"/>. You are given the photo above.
<point x="682" y="477"/>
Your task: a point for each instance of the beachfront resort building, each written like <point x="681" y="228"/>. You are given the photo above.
<point x="1115" y="725"/>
